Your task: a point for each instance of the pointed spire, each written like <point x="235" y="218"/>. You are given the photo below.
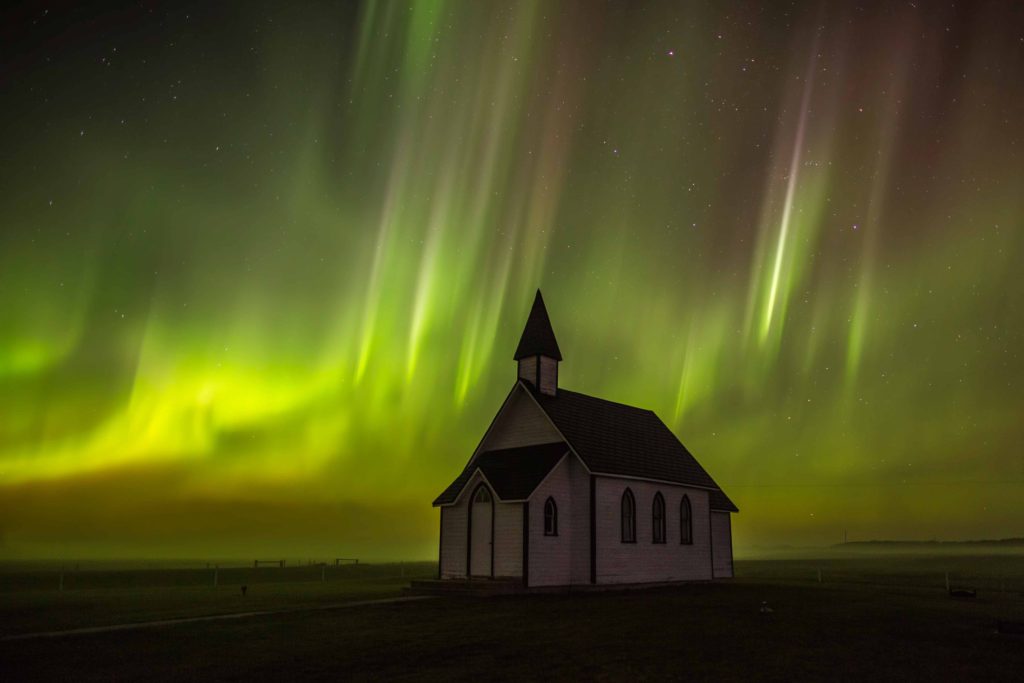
<point x="538" y="338"/>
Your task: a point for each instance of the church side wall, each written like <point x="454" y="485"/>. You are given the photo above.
<point x="721" y="532"/>
<point x="508" y="539"/>
<point x="551" y="556"/>
<point x="522" y="423"/>
<point x="645" y="561"/>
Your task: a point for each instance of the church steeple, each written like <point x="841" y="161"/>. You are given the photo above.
<point x="538" y="353"/>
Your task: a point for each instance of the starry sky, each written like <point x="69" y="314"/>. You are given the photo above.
<point x="263" y="267"/>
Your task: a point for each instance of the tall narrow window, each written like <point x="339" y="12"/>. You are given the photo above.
<point x="628" y="517"/>
<point x="658" y="519"/>
<point x="685" y="522"/>
<point x="550" y="518"/>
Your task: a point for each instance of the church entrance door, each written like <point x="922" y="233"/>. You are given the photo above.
<point x="481" y="532"/>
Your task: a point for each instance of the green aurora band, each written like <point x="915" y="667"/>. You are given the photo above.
<point x="262" y="271"/>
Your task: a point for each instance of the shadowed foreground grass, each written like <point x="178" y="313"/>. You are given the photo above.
<point x="869" y="630"/>
<point x="30" y="601"/>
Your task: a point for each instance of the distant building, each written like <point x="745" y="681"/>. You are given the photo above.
<point x="568" y="489"/>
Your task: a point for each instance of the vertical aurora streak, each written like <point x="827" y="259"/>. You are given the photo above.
<point x="262" y="270"/>
<point x="787" y="205"/>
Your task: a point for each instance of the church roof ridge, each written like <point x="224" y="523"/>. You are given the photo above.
<point x="619" y="439"/>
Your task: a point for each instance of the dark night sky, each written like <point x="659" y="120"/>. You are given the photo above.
<point x="263" y="267"/>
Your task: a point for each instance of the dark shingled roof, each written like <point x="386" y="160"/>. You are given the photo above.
<point x="612" y="438"/>
<point x="720" y="501"/>
<point x="538" y="338"/>
<point x="513" y="472"/>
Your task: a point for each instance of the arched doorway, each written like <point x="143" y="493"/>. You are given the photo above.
<point x="481" y="532"/>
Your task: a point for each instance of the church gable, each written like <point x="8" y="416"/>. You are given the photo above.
<point x="521" y="422"/>
<point x="519" y="427"/>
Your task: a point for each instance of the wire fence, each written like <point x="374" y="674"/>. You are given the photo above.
<point x="985" y="575"/>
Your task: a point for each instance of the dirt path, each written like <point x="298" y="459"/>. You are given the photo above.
<point x="210" y="617"/>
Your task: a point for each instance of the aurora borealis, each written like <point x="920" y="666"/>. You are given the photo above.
<point x="263" y="267"/>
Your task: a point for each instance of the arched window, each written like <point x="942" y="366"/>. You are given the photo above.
<point x="482" y="495"/>
<point x="628" y="517"/>
<point x="550" y="518"/>
<point x="685" y="522"/>
<point x="658" y="519"/>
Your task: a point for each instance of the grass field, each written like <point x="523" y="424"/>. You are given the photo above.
<point x="870" y="618"/>
<point x="98" y="595"/>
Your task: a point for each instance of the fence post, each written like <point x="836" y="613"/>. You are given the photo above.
<point x="947" y="582"/>
<point x="61" y="587"/>
<point x="819" y="576"/>
<point x="215" y="577"/>
<point x="323" y="572"/>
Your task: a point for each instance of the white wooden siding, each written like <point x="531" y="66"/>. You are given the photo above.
<point x="579" y="520"/>
<point x="454" y="519"/>
<point x="721" y="532"/>
<point x="521" y="423"/>
<point x="548" y="375"/>
<point x="551" y="556"/>
<point x="528" y="369"/>
<point x="508" y="539"/>
<point x="644" y="561"/>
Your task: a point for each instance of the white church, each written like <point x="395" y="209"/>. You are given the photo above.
<point x="569" y="490"/>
